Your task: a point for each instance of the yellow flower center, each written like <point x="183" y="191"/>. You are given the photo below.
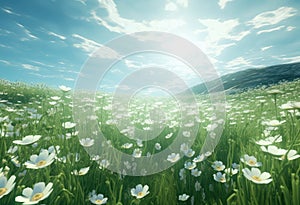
<point x="218" y="168"/>
<point x="256" y="178"/>
<point x="2" y="191"/>
<point x="37" y="196"/>
<point x="41" y="163"/>
<point x="140" y="194"/>
<point x="251" y="162"/>
<point x="98" y="201"/>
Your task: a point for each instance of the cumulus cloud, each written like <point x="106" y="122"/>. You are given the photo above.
<point x="115" y="23"/>
<point x="217" y="30"/>
<point x="272" y="17"/>
<point x="222" y="3"/>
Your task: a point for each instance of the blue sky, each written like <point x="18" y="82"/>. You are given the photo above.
<point x="49" y="41"/>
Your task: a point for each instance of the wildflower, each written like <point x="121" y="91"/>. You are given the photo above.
<point x="287" y="106"/>
<point x="157" y="146"/>
<point x="251" y="161"/>
<point x="186" y="133"/>
<point x="53" y="103"/>
<point x="169" y="135"/>
<point x="139" y="143"/>
<point x="184" y="147"/>
<point x="56" y="98"/>
<point x="52" y="149"/>
<point x="137" y="153"/>
<point x="291" y="155"/>
<point x="127" y="145"/>
<point x="269" y="140"/>
<point x="104" y="164"/>
<point x="189" y="153"/>
<point x="97" y="198"/>
<point x="183" y="197"/>
<point x="42" y="160"/>
<point x="274" y="123"/>
<point x="296" y="105"/>
<point x="33" y="196"/>
<point x="199" y="158"/>
<point x="81" y="172"/>
<point x="274" y="92"/>
<point x="68" y="125"/>
<point x="15" y="161"/>
<point x="272" y="149"/>
<point x="189" y="165"/>
<point x="87" y="142"/>
<point x="140" y="191"/>
<point x="207" y="154"/>
<point x="173" y="157"/>
<point x="6" y="186"/>
<point x="218" y="166"/>
<point x="29" y="139"/>
<point x="196" y="172"/>
<point x="219" y="177"/>
<point x="231" y="171"/>
<point x="256" y="176"/>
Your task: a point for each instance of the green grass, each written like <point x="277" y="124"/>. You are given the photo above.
<point x="29" y="113"/>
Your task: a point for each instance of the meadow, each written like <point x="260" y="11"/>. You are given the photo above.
<point x="256" y="161"/>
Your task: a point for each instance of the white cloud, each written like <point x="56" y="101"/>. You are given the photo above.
<point x="270" y="30"/>
<point x="69" y="79"/>
<point x="86" y="44"/>
<point x="5" y="62"/>
<point x="240" y="63"/>
<point x="222" y="3"/>
<point x="290" y="28"/>
<point x="27" y="32"/>
<point x="61" y="37"/>
<point x="217" y="31"/>
<point x="30" y="67"/>
<point x="9" y="11"/>
<point x="293" y="59"/>
<point x="115" y="23"/>
<point x="266" y="48"/>
<point x="131" y="64"/>
<point x="170" y="6"/>
<point x="90" y="46"/>
<point x="272" y="17"/>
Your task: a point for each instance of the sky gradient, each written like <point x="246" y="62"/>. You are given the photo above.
<point x="49" y="41"/>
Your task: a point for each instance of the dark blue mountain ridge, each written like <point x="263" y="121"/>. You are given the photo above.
<point x="253" y="78"/>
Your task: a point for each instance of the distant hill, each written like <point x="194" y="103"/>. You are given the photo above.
<point x="255" y="77"/>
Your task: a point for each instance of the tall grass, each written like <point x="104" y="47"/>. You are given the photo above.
<point x="29" y="112"/>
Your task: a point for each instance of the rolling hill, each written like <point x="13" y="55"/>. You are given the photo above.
<point x="255" y="77"/>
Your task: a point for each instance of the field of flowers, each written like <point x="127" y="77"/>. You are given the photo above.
<point x="43" y="161"/>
